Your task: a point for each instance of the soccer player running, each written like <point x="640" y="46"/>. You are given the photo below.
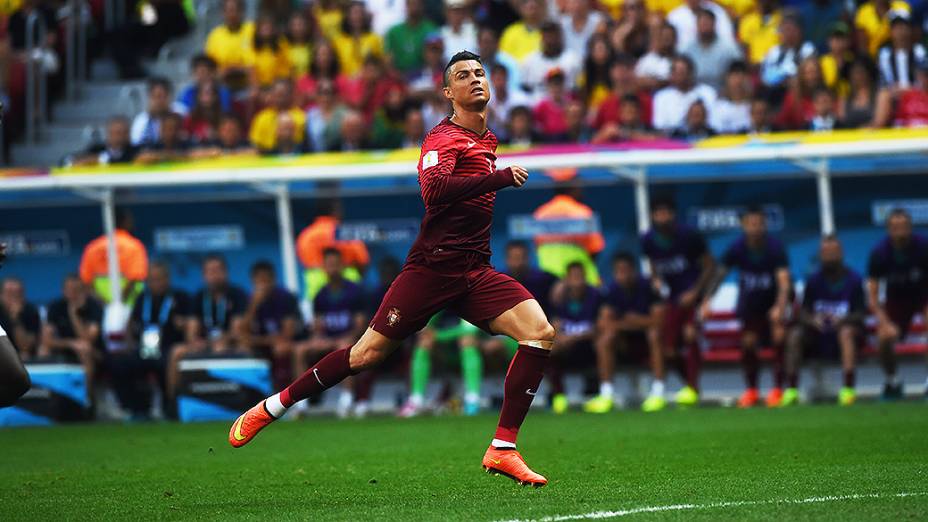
<point x="900" y="261"/>
<point x="14" y="380"/>
<point x="831" y="320"/>
<point x="680" y="263"/>
<point x="447" y="268"/>
<point x="764" y="288"/>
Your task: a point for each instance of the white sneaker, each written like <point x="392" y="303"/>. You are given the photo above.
<point x="410" y="409"/>
<point x="343" y="407"/>
<point x="361" y="409"/>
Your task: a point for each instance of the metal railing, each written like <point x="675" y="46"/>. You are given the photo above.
<point x="76" y="47"/>
<point x="36" y="81"/>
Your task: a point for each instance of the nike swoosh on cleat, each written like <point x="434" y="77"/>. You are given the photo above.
<point x="497" y="462"/>
<point x="530" y="392"/>
<point x="237" y="434"/>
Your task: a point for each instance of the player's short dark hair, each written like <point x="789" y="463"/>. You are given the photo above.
<point x="737" y="66"/>
<point x="204" y="60"/>
<point x="624" y="257"/>
<point x="899" y="212"/>
<point x="663" y="201"/>
<point x="753" y="210"/>
<point x="461" y="56"/>
<point x="262" y="266"/>
<point x="574" y="265"/>
<point x="517" y="244"/>
<point x="215" y="257"/>
<point x="331" y="251"/>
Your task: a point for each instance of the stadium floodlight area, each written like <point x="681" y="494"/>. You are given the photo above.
<point x="642" y="168"/>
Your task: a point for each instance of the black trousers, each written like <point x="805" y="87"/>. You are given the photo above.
<point x="132" y="379"/>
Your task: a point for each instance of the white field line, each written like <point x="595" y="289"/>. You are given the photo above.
<point x="598" y="515"/>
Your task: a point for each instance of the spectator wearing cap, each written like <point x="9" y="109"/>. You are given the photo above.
<point x="760" y="29"/>
<point x="836" y="59"/>
<point x="818" y="20"/>
<point x="898" y="59"/>
<point x="672" y="102"/>
<point x="696" y="124"/>
<point x="731" y="112"/>
<point x="114" y="150"/>
<point x="711" y="54"/>
<point x="872" y="23"/>
<point x="624" y="85"/>
<point x="683" y="19"/>
<point x="579" y="23"/>
<point x="204" y="70"/>
<point x="355" y="40"/>
<point x="147" y="124"/>
<point x="263" y="132"/>
<point x="521" y="39"/>
<point x="552" y="55"/>
<point x="782" y="61"/>
<point x="404" y="42"/>
<point x="550" y="113"/>
<point x="324" y="119"/>
<point x="906" y="107"/>
<point x="459" y="32"/>
<point x="491" y="56"/>
<point x="504" y="97"/>
<point x="653" y="69"/>
<point x="230" y="45"/>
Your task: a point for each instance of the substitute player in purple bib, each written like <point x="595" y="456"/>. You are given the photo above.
<point x="900" y="262"/>
<point x="764" y="289"/>
<point x="448" y="268"/>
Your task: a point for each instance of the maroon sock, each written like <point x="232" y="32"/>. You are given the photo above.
<point x="693" y="363"/>
<point x="793" y="380"/>
<point x="329" y="371"/>
<point x="363" y="385"/>
<point x="750" y="364"/>
<point x="850" y="378"/>
<point x="525" y="373"/>
<point x="778" y="367"/>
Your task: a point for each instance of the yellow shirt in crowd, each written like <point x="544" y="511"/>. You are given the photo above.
<point x="329" y="20"/>
<point x="300" y="57"/>
<point x="519" y="41"/>
<point x="876" y="27"/>
<point x="759" y="33"/>
<point x="352" y="51"/>
<point x="271" y="65"/>
<point x="263" y="132"/>
<point x="231" y="49"/>
<point x="737" y="8"/>
<point x="614" y="7"/>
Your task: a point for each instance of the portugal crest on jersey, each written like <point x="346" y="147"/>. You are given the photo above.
<point x="393" y="317"/>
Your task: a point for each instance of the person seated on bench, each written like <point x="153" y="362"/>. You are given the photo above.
<point x="831" y="321"/>
<point x="156" y="327"/>
<point x="72" y="329"/>
<point x="764" y="288"/>
<point x="629" y="323"/>
<point x="338" y="321"/>
<point x="900" y="262"/>
<point x="215" y="315"/>
<point x="271" y="322"/>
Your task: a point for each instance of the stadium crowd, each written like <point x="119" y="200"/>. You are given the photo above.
<point x="654" y="322"/>
<point x="346" y="76"/>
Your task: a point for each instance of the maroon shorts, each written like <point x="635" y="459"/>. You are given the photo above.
<point x="477" y="294"/>
<point x="633" y="347"/>
<point x="676" y="318"/>
<point x="757" y="324"/>
<point x="902" y="314"/>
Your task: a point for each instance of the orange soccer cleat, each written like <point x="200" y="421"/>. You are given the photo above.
<point x="774" y="397"/>
<point x="509" y="463"/>
<point x="249" y="424"/>
<point x="749" y="398"/>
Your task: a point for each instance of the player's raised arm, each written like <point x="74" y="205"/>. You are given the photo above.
<point x="440" y="187"/>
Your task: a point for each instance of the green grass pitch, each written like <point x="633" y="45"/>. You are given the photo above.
<point x="860" y="459"/>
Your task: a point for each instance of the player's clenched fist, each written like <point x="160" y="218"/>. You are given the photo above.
<point x="519" y="176"/>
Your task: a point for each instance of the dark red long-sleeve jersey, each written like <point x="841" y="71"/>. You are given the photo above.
<point x="458" y="180"/>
